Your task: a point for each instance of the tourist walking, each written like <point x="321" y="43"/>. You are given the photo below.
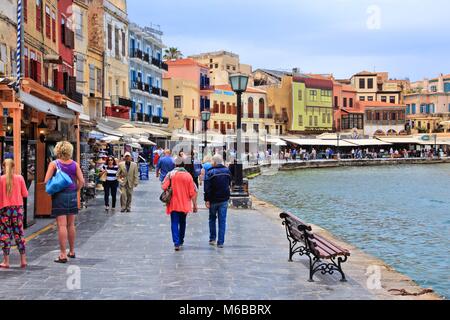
<point x="65" y="203"/>
<point x="12" y="192"/>
<point x="128" y="176"/>
<point x="111" y="184"/>
<point x="182" y="202"/>
<point x="217" y="194"/>
<point x="207" y="164"/>
<point x="166" y="164"/>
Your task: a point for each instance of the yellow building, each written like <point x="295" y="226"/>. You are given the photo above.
<point x="110" y="25"/>
<point x="221" y="64"/>
<point x="279" y="97"/>
<point x="376" y="86"/>
<point x="183" y="105"/>
<point x="223" y="110"/>
<point x="8" y="42"/>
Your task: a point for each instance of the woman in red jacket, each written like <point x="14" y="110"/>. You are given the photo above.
<point x="12" y="192"/>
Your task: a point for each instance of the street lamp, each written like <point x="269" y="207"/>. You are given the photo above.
<point x="206" y="116"/>
<point x="239" y="84"/>
<point x="338" y="138"/>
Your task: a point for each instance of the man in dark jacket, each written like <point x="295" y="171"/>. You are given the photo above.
<point x="217" y="195"/>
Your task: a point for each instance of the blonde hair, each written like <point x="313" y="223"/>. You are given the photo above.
<point x="207" y="159"/>
<point x="9" y="173"/>
<point x="64" y="150"/>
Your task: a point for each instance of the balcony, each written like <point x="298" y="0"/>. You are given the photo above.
<point x="164" y="93"/>
<point x="164" y="66"/>
<point x="146" y="57"/>
<point x="75" y="96"/>
<point x="160" y="120"/>
<point x="156" y="91"/>
<point x="269" y="116"/>
<point x="137" y="85"/>
<point x="136" y="53"/>
<point x="156" y="62"/>
<point x="118" y="112"/>
<point x="262" y="116"/>
<point x="281" y="118"/>
<point x="121" y="102"/>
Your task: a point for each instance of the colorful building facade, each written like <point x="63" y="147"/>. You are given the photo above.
<point x="383" y="118"/>
<point x="312" y="107"/>
<point x="348" y="117"/>
<point x="146" y="71"/>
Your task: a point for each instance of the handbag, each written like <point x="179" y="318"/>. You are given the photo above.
<point x="166" y="196"/>
<point x="59" y="182"/>
<point x="103" y="176"/>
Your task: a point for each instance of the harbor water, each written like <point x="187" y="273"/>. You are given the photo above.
<point x="400" y="214"/>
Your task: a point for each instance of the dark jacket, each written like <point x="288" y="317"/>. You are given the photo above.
<point x="217" y="184"/>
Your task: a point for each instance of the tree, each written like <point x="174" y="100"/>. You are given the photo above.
<point x="172" y="53"/>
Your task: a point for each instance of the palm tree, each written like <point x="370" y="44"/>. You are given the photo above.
<point x="172" y="53"/>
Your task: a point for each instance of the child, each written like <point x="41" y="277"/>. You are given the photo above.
<point x="12" y="192"/>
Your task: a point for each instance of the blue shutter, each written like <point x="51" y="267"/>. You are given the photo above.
<point x="408" y="109"/>
<point x="447" y="87"/>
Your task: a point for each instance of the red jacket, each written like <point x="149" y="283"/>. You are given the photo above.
<point x="19" y="191"/>
<point x="183" y="191"/>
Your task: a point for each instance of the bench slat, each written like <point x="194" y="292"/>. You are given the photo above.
<point x="331" y="245"/>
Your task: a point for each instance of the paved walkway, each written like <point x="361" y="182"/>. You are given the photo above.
<point x="130" y="256"/>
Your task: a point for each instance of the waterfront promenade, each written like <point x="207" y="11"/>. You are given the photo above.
<point x="130" y="256"/>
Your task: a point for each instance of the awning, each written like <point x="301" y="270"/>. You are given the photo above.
<point x="108" y="130"/>
<point x="367" y="142"/>
<point x="186" y="136"/>
<point x="400" y="140"/>
<point x="130" y="129"/>
<point x="273" y="141"/>
<point x="146" y="142"/>
<point x="44" y="106"/>
<point x="319" y="142"/>
<point x="75" y="106"/>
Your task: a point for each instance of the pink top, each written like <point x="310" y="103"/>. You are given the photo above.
<point x="184" y="190"/>
<point x="19" y="191"/>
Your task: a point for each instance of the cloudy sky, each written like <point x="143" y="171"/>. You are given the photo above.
<point x="408" y="38"/>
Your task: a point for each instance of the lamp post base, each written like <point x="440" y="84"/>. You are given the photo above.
<point x="240" y="201"/>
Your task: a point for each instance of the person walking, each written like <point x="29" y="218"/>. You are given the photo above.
<point x="165" y="165"/>
<point x="65" y="203"/>
<point x="182" y="202"/>
<point x="112" y="183"/>
<point x="217" y="194"/>
<point x="128" y="176"/>
<point x="12" y="192"/>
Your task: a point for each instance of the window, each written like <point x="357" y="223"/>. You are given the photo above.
<point x="177" y="102"/>
<point x="53" y="26"/>
<point x="116" y="43"/>
<point x="3" y="59"/>
<point x="324" y="117"/>
<point x="345" y="102"/>
<point x="447" y="87"/>
<point x="244" y="127"/>
<point x="47" y="22"/>
<point x="351" y="102"/>
<point x="329" y="118"/>
<point x="25" y="10"/>
<point x="316" y="121"/>
<point x="250" y="107"/>
<point x="300" y="95"/>
<point x="216" y="65"/>
<point x="109" y="37"/>
<point x="413" y="108"/>
<point x="80" y="68"/>
<point x="408" y="109"/>
<point x="362" y="83"/>
<point x="193" y="104"/>
<point x="377" y="116"/>
<point x="326" y="95"/>
<point x="39" y="15"/>
<point x="433" y="88"/>
<point x="313" y="95"/>
<point x="370" y="83"/>
<point x="300" y="121"/>
<point x="336" y="101"/>
<point x="310" y="121"/>
<point x="256" y="128"/>
<point x="394" y="116"/>
<point x="79" y="24"/>
<point x="124" y="42"/>
<point x="25" y="54"/>
<point x="362" y="98"/>
<point x="91" y="79"/>
<point x="99" y="79"/>
<point x="369" y="98"/>
<point x="392" y="99"/>
<point x="63" y="30"/>
<point x="385" y="116"/>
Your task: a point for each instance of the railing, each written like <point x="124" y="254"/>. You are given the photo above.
<point x="146" y="58"/>
<point x="156" y="62"/>
<point x="164" y="66"/>
<point x="137" y="85"/>
<point x="136" y="53"/>
<point x="121" y="101"/>
<point x="160" y="120"/>
<point x="269" y="116"/>
<point x="262" y="116"/>
<point x="164" y="93"/>
<point x="75" y="96"/>
<point x="156" y="91"/>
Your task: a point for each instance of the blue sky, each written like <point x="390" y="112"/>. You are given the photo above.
<point x="408" y="38"/>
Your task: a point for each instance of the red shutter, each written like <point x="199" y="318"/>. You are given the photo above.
<point x="55" y="79"/>
<point x="38" y="17"/>
<point x="46" y="76"/>
<point x="54" y="29"/>
<point x="26" y="67"/>
<point x="47" y="25"/>
<point x="38" y="71"/>
<point x="25" y="10"/>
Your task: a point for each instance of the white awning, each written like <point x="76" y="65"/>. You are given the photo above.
<point x="186" y="136"/>
<point x="319" y="142"/>
<point x="75" y="107"/>
<point x="400" y="140"/>
<point x="108" y="130"/>
<point x="273" y="141"/>
<point x="367" y="142"/>
<point x="44" y="106"/>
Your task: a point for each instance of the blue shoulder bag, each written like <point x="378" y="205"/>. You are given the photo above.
<point x="59" y="182"/>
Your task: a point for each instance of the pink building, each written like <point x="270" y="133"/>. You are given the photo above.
<point x="347" y="113"/>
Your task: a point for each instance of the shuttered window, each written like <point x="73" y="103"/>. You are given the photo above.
<point x="25" y="10"/>
<point x="123" y="43"/>
<point x="109" y="37"/>
<point x="99" y="79"/>
<point x="116" y="42"/>
<point x="47" y="22"/>
<point x="53" y="26"/>
<point x="39" y="15"/>
<point x="91" y="79"/>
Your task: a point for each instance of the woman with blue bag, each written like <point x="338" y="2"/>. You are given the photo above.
<point x="64" y="179"/>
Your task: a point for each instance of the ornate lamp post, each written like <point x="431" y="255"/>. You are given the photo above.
<point x="206" y="116"/>
<point x="239" y="84"/>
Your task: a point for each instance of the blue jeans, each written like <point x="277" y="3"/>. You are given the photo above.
<point x="178" y="227"/>
<point x="218" y="210"/>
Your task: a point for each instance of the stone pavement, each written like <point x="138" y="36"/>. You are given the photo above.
<point x="130" y="256"/>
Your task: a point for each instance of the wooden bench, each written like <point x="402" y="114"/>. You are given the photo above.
<point x="304" y="242"/>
